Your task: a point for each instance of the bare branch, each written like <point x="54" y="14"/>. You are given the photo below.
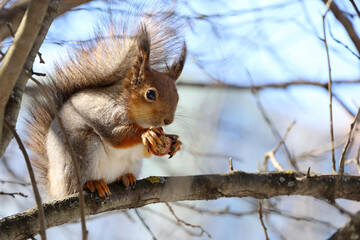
<point x="13" y="194"/>
<point x="261" y="219"/>
<point x="355" y="7"/>
<point x="145" y="225"/>
<point x="14" y="182"/>
<point x="278" y="212"/>
<point x="170" y="189"/>
<point x="271" y="154"/>
<point x="18" y="52"/>
<point x="231" y="167"/>
<point x="341" y="43"/>
<point x="274" y="131"/>
<point x="333" y="166"/>
<point x="33" y="181"/>
<point x="347" y="24"/>
<point x="284" y="85"/>
<point x="14" y="102"/>
<point x="187" y="224"/>
<point x="350" y="137"/>
<point x="16" y="11"/>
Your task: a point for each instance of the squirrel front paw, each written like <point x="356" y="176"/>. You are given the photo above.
<point x="100" y="185"/>
<point x="155" y="140"/>
<point x="159" y="143"/>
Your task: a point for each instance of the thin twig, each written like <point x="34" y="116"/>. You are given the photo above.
<point x="33" y="181"/>
<point x="350" y="137"/>
<point x="162" y="215"/>
<point x="340" y="208"/>
<point x="41" y="60"/>
<point x="13" y="194"/>
<point x="355" y="161"/>
<point x="145" y="225"/>
<point x="9" y="25"/>
<point x="357" y="157"/>
<point x="283" y="85"/>
<point x="272" y="126"/>
<point x="355" y="7"/>
<point x="271" y="154"/>
<point x="341" y="43"/>
<point x="187" y="224"/>
<point x="261" y="219"/>
<point x="333" y="166"/>
<point x="14" y="182"/>
<point x="72" y="154"/>
<point x="231" y="167"/>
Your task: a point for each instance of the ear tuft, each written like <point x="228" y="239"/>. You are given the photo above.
<point x="176" y="68"/>
<point x="142" y="61"/>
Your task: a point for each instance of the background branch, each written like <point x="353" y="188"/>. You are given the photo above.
<point x="16" y="11"/>
<point x="16" y="55"/>
<point x="347" y="24"/>
<point x="27" y="59"/>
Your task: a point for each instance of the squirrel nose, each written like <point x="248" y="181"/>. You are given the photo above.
<point x="167" y="121"/>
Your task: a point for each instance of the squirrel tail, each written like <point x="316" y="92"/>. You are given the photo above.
<point x="39" y="122"/>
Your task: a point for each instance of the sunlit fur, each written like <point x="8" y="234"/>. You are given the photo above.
<point x="99" y="93"/>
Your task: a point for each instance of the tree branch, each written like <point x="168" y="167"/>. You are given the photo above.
<point x="171" y="189"/>
<point x="17" y="88"/>
<point x="16" y="11"/>
<point x="17" y="53"/>
<point x="347" y="24"/>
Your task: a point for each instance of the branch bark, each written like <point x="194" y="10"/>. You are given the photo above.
<point x="24" y="60"/>
<point x="16" y="11"/>
<point x="170" y="189"/>
<point x="17" y="53"/>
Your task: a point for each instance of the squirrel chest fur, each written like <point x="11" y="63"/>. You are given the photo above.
<point x="113" y="97"/>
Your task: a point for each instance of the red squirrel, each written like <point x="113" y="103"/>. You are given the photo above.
<point x="113" y="96"/>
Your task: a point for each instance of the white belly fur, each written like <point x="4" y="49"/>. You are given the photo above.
<point x="112" y="163"/>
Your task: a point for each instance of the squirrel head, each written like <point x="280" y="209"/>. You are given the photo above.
<point x="153" y="95"/>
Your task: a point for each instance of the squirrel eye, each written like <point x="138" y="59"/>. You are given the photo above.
<point x="150" y="95"/>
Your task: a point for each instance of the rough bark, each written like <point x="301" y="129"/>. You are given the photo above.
<point x="171" y="189"/>
<point x="27" y="59"/>
<point x="18" y="52"/>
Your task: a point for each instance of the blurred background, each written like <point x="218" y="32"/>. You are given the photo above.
<point x="256" y="70"/>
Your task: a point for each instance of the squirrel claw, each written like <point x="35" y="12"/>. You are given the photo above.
<point x="176" y="146"/>
<point x="100" y="185"/>
<point x="151" y="139"/>
<point x="128" y="180"/>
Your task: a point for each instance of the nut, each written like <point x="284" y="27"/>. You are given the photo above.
<point x="164" y="148"/>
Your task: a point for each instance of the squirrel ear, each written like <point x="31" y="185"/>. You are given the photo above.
<point x="141" y="62"/>
<point x="176" y="68"/>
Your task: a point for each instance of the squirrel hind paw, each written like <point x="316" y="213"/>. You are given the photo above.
<point x="100" y="186"/>
<point x="128" y="180"/>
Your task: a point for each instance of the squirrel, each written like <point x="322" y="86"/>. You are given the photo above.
<point x="113" y="96"/>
